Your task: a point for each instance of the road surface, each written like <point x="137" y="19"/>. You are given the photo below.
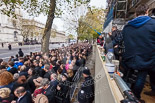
<point x="5" y="53"/>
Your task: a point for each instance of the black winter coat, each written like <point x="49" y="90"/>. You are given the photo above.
<point x="63" y="93"/>
<point x="39" y="71"/>
<point x="86" y="94"/>
<point x="50" y="94"/>
<point x="13" y="70"/>
<point x="31" y="83"/>
<point x="21" y="54"/>
<point x="139" y="42"/>
<point x="27" y="98"/>
<point x="47" y="75"/>
<point x="25" y="85"/>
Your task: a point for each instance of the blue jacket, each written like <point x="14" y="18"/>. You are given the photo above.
<point x="10" y="86"/>
<point x="139" y="42"/>
<point x="17" y="64"/>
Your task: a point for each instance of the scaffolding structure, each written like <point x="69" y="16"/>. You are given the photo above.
<point x="121" y="9"/>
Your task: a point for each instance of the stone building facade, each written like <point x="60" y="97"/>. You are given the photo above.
<point x="10" y="28"/>
<point x="33" y="30"/>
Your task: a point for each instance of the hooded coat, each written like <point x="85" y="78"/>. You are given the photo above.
<point x="139" y="42"/>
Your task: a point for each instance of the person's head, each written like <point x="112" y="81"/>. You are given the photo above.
<point x="45" y="57"/>
<point x="86" y="72"/>
<point x="59" y="71"/>
<point x="19" y="91"/>
<point x="64" y="76"/>
<point x="5" y="92"/>
<point x="114" y="28"/>
<point x="46" y="67"/>
<point x="38" y="81"/>
<point x="142" y="9"/>
<point x="11" y="64"/>
<point x="15" y="76"/>
<point x="4" y="63"/>
<point x="100" y="36"/>
<point x="41" y="63"/>
<point x="16" y="55"/>
<point x="20" y="49"/>
<point x="70" y="72"/>
<point x="45" y="83"/>
<point x="5" y="78"/>
<point x="26" y="63"/>
<point x="23" y="68"/>
<point x="73" y="62"/>
<point x="31" y="71"/>
<point x="36" y="63"/>
<point x="37" y="57"/>
<point x="70" y="66"/>
<point x="21" y="59"/>
<point x="22" y="78"/>
<point x="53" y="76"/>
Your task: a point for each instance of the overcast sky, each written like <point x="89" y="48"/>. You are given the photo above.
<point x="60" y="24"/>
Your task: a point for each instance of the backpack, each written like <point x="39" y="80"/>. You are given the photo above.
<point x="40" y="98"/>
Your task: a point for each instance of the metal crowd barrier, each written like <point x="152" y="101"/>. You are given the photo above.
<point x="76" y="80"/>
<point x="78" y="74"/>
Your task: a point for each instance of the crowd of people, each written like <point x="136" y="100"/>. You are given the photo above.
<point x="134" y="47"/>
<point x="40" y="78"/>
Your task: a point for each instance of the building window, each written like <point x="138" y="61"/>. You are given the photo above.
<point x="15" y="36"/>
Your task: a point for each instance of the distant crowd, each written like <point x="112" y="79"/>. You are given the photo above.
<point x="37" y="78"/>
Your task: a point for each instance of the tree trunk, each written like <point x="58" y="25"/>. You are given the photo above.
<point x="77" y="35"/>
<point x="47" y="31"/>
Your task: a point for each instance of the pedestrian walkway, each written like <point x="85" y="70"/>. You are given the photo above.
<point x="90" y="63"/>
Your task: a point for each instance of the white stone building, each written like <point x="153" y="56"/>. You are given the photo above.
<point x="10" y="28"/>
<point x="60" y="37"/>
<point x="33" y="29"/>
<point x="14" y="30"/>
